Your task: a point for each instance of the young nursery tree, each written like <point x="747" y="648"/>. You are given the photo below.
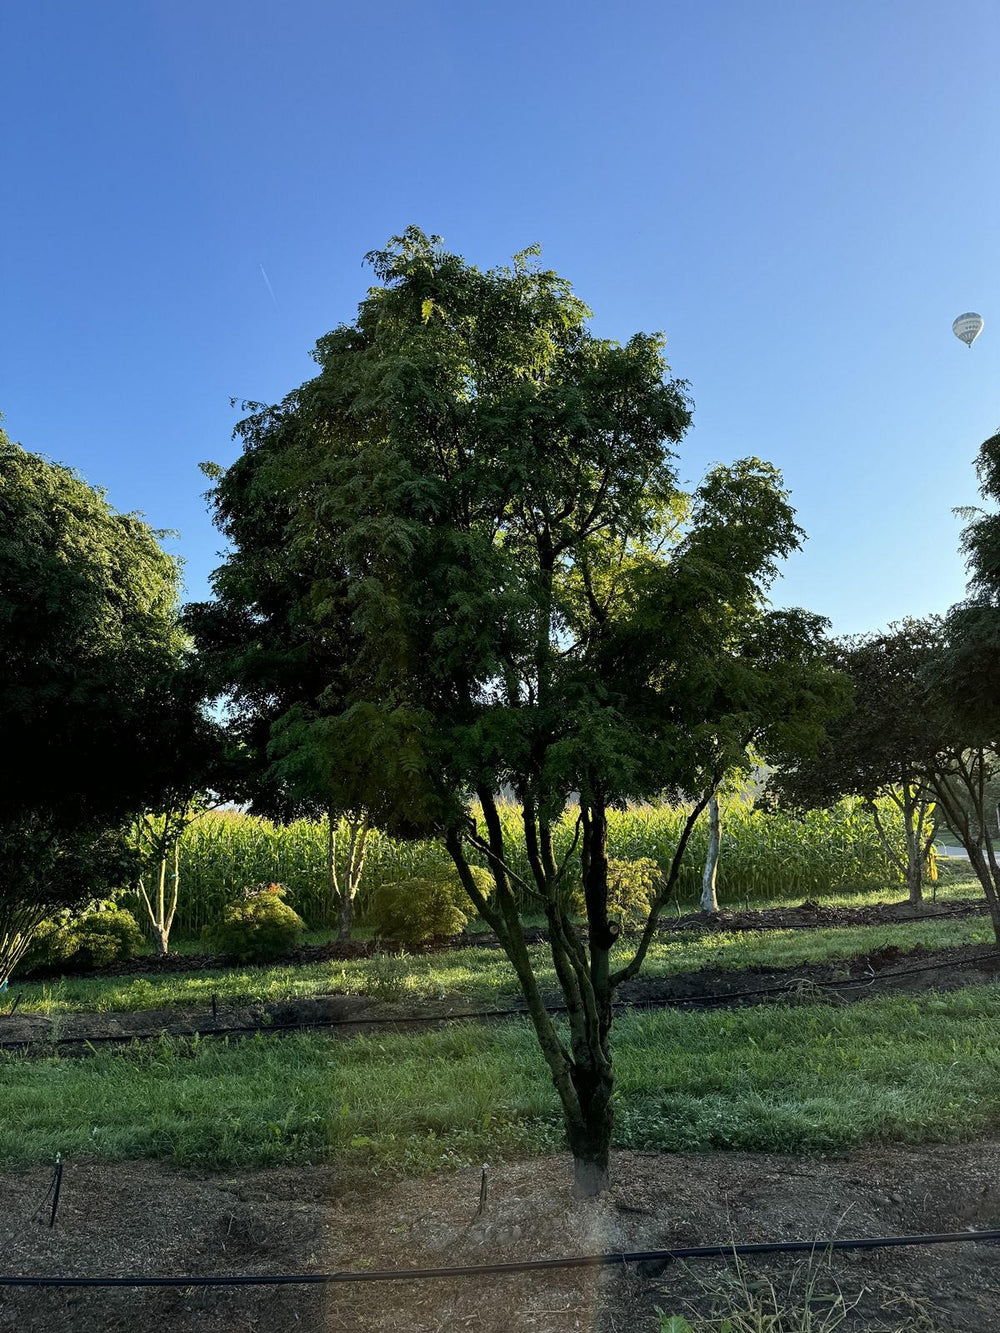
<point x="878" y="748"/>
<point x="88" y="637"/>
<point x="481" y="499"/>
<point x="186" y="769"/>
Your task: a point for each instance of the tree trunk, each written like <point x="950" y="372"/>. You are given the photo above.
<point x="982" y="869"/>
<point x="914" y="862"/>
<point x="913" y="824"/>
<point x="345" y="917"/>
<point x="709" y="897"/>
<point x="589" y="1123"/>
<point x="915" y="876"/>
<point x="590" y="1137"/>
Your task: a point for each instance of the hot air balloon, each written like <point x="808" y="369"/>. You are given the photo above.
<point x="968" y="327"/>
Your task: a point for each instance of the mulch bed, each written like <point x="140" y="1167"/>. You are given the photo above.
<point x="149" y="1218"/>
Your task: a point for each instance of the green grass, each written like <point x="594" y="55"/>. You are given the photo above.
<point x="479" y="976"/>
<point x="796" y="1079"/>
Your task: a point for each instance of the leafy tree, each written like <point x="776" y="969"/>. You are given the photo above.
<point x="922" y="729"/>
<point x="282" y="681"/>
<point x="481" y="499"/>
<point x="89" y="639"/>
<point x="188" y="767"/>
<point x="965" y="675"/>
<point x="881" y="745"/>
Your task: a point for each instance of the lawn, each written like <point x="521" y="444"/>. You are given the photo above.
<point x="801" y="1079"/>
<point x="477" y="975"/>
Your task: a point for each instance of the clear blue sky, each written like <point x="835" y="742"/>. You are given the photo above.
<point x="801" y="195"/>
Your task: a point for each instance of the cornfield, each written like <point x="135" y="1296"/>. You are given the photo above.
<point x="764" y="856"/>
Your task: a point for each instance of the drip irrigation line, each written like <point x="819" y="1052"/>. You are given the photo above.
<point x="610" y="1260"/>
<point x="619" y="1006"/>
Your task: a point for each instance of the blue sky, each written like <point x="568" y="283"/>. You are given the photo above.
<point x="801" y="195"/>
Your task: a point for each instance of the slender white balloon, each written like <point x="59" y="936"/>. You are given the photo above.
<point x="968" y="327"/>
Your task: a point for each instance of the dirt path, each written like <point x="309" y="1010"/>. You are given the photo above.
<point x="876" y="973"/>
<point x="140" y="1217"/>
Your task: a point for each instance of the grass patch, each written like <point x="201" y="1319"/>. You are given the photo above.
<point x="479" y="976"/>
<point x="796" y="1079"/>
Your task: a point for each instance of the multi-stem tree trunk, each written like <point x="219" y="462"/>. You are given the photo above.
<point x="916" y="809"/>
<point x="709" y="896"/>
<point x="581" y="1068"/>
<point x="960" y="788"/>
<point x="344" y="889"/>
<point x="18" y="923"/>
<point x="161" y="905"/>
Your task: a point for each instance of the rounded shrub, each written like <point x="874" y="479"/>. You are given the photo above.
<point x="631" y="889"/>
<point x="106" y="937"/>
<point x="99" y="937"/>
<point x="257" y="929"/>
<point x="422" y="907"/>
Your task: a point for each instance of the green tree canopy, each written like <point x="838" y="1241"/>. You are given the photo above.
<point x="478" y="501"/>
<point x="97" y="711"/>
<point x="880" y="744"/>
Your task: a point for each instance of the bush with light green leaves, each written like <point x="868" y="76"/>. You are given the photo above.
<point x="424" y="907"/>
<point x="260" y="928"/>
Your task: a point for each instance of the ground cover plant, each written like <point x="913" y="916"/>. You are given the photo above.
<point x="808" y="1078"/>
<point x="474" y="975"/>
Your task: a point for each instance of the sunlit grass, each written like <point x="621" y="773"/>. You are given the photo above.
<point x="795" y="1079"/>
<point x="477" y="976"/>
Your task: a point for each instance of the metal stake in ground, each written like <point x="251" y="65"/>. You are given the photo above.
<point x="56" y="1186"/>
<point x="482" y="1191"/>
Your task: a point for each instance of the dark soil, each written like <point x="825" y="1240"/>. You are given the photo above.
<point x="882" y="971"/>
<point x="147" y="1218"/>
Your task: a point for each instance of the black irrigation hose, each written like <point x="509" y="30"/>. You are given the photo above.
<point x="696" y="1001"/>
<point x="612" y="1260"/>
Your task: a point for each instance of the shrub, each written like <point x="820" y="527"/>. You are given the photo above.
<point x="258" y="929"/>
<point x="51" y="946"/>
<point x="419" y="908"/>
<point x="98" y="937"/>
<point x="631" y="889"/>
<point x="106" y="937"/>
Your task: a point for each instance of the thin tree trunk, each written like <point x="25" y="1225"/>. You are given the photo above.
<point x="333" y="885"/>
<point x="345" y="917"/>
<point x="914" y="846"/>
<point x="972" y="838"/>
<point x="709" y="897"/>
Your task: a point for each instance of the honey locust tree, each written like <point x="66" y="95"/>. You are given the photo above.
<point x="483" y="497"/>
<point x="90" y="651"/>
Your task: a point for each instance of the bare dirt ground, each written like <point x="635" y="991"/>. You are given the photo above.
<point x="147" y="1218"/>
<point x="875" y="973"/>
